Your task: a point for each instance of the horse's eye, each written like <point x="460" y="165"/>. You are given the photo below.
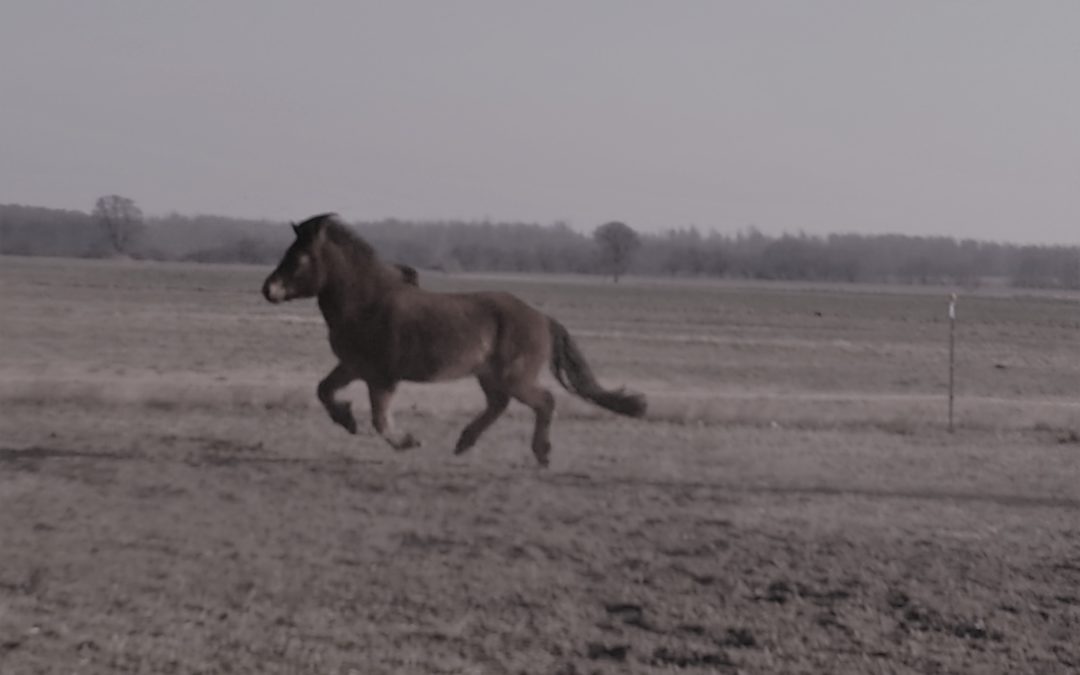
<point x="303" y="261"/>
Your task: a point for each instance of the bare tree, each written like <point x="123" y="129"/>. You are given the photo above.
<point x="618" y="242"/>
<point x="120" y="219"/>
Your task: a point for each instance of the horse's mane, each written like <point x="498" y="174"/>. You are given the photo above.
<point x="339" y="233"/>
<point x="355" y="248"/>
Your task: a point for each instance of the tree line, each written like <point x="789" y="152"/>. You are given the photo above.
<point x="115" y="226"/>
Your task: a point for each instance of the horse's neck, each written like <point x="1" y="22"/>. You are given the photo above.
<point x="348" y="291"/>
<point x="332" y="305"/>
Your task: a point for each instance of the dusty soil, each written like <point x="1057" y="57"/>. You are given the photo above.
<point x="173" y="501"/>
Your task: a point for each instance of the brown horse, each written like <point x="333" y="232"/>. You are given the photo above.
<point x="385" y="329"/>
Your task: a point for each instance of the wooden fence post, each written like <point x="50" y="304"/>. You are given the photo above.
<point x="952" y="357"/>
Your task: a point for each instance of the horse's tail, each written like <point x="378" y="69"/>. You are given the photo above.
<point x="570" y="369"/>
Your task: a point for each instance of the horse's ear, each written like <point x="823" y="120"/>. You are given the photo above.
<point x="295" y="228"/>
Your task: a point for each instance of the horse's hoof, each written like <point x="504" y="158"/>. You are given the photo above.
<point x="542" y="453"/>
<point x="408" y="442"/>
<point x="343" y="417"/>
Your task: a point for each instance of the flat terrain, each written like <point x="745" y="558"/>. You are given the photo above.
<point x="174" y="500"/>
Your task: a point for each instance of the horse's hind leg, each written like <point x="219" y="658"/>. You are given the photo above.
<point x="497" y="400"/>
<point x="339" y="411"/>
<point x="382" y="419"/>
<point x="542" y="403"/>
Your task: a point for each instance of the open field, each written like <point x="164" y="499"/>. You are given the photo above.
<point x="174" y="500"/>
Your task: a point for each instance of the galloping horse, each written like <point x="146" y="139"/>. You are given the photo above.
<point x="385" y="329"/>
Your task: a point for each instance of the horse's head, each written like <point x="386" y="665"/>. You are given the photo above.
<point x="301" y="272"/>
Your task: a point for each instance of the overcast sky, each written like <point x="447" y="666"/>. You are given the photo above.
<point x="956" y="118"/>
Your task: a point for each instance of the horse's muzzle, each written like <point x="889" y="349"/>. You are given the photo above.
<point x="274" y="291"/>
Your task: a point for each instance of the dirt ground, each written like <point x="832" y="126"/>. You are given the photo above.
<point x="173" y="500"/>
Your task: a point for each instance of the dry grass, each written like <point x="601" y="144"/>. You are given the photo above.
<point x="173" y="500"/>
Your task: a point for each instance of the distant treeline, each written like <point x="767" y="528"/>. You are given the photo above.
<point x="524" y="247"/>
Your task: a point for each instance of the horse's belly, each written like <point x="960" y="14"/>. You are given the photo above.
<point x="440" y="375"/>
<point x="439" y="365"/>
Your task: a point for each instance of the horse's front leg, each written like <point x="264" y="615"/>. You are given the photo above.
<point x="340" y="411"/>
<point x="383" y="420"/>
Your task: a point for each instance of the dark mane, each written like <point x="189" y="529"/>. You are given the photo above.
<point x="338" y="232"/>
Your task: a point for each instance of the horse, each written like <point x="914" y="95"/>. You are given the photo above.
<point x="385" y="329"/>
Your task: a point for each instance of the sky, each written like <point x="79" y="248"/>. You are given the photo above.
<point x="918" y="117"/>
